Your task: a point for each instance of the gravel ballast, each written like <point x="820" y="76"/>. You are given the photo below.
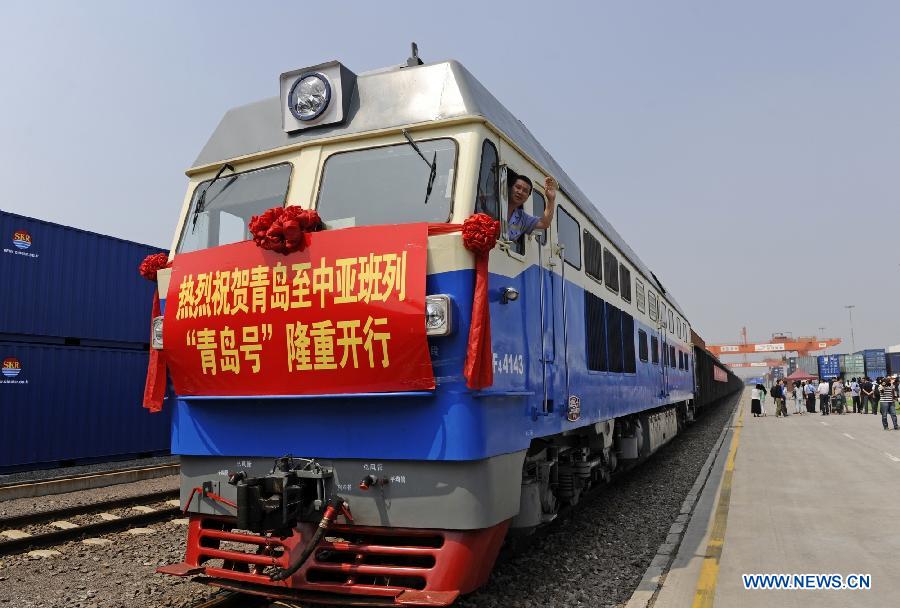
<point x="85" y="469"/>
<point x="593" y="557"/>
<point x="38" y="504"/>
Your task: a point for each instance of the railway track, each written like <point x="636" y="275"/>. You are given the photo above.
<point x="18" y="541"/>
<point x="84" y="481"/>
<point x="232" y="599"/>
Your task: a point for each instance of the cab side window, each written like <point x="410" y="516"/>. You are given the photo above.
<point x="518" y="245"/>
<point x="569" y="235"/>
<point x="487" y="199"/>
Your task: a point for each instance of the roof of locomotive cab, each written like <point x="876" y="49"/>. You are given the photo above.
<point x="401" y="96"/>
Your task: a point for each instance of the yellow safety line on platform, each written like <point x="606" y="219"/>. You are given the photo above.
<point x="705" y="594"/>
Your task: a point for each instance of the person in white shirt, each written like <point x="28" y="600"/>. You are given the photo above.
<point x="854" y="395"/>
<point x="798" y="398"/>
<point x="755" y="406"/>
<point x="823" y="397"/>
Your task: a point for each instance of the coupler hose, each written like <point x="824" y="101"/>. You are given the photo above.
<point x="336" y="506"/>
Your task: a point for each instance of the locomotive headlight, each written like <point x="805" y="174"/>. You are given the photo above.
<point x="438" y="321"/>
<point x="156" y="333"/>
<point x="309" y="96"/>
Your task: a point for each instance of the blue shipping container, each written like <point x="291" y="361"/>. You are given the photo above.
<point x="873" y="354"/>
<point x="893" y="363"/>
<point x="65" y="403"/>
<point x="829" y="366"/>
<point x="66" y="283"/>
<point x="876" y="361"/>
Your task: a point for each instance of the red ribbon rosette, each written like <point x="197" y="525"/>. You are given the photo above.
<point x="152" y="264"/>
<point x="283" y="229"/>
<point x="480" y="233"/>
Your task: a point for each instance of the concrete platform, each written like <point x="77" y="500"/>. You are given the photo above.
<point x="803" y="495"/>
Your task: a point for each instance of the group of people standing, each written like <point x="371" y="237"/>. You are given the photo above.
<point x="834" y="396"/>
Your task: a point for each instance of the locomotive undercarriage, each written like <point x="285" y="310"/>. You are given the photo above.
<point x="558" y="470"/>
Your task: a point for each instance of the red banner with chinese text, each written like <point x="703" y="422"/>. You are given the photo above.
<point x="345" y="315"/>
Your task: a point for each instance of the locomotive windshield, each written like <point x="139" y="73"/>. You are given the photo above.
<point x="387" y="185"/>
<point x="229" y="204"/>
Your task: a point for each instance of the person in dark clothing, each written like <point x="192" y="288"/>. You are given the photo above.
<point x="854" y="395"/>
<point x="810" y="391"/>
<point x="867" y="396"/>
<point x="824" y="391"/>
<point x="778" y="393"/>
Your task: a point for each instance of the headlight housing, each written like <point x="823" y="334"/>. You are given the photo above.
<point x="438" y="315"/>
<point x="156" y="333"/>
<point x="309" y="96"/>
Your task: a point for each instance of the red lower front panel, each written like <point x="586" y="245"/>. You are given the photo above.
<point x="352" y="564"/>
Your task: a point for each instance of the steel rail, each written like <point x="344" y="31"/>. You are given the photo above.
<point x="83" y="481"/>
<point x="230" y="599"/>
<point x="104" y="527"/>
<point x="27" y="519"/>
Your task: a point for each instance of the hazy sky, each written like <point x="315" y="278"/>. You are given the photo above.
<point x="747" y="151"/>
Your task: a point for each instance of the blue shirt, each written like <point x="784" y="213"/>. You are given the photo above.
<point x="520" y="223"/>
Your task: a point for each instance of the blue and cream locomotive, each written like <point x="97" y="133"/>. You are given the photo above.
<point x="405" y="497"/>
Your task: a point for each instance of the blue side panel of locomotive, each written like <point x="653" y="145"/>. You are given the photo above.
<point x="453" y="423"/>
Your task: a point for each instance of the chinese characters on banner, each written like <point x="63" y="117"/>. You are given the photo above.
<point x="346" y="315"/>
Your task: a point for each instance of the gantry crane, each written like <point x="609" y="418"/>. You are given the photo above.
<point x="779" y="343"/>
<point x="768" y="363"/>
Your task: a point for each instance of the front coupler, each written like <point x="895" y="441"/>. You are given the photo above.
<point x="294" y="491"/>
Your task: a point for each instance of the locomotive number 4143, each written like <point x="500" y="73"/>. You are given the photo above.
<point x="507" y="363"/>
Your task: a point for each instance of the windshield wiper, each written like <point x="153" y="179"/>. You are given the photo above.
<point x="201" y="200"/>
<point x="431" y="165"/>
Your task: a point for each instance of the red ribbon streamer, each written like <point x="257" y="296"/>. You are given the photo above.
<point x="155" y="386"/>
<point x="480" y="233"/>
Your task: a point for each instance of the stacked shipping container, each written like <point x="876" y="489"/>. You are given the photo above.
<point x="893" y="363"/>
<point x="875" y="362"/>
<point x="74" y="327"/>
<point x="809" y="364"/>
<point x="829" y="366"/>
<point x="853" y="366"/>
